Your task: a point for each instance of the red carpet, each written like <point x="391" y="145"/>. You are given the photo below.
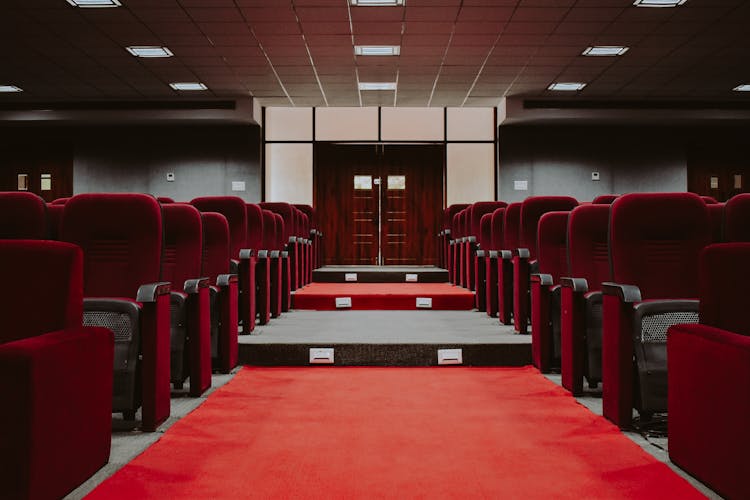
<point x="383" y="296"/>
<point x="329" y="432"/>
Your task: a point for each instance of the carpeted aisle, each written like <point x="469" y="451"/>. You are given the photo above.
<point x="383" y="296"/>
<point x="334" y="432"/>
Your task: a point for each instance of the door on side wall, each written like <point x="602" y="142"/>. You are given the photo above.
<point x="380" y="204"/>
<point x="46" y="171"/>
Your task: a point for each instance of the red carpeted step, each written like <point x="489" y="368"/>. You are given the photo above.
<point x="383" y="296"/>
<point x="393" y="433"/>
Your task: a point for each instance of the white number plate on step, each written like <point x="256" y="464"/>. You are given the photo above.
<point x="350" y="277"/>
<point x="412" y="278"/>
<point x="424" y="302"/>
<point x="343" y="302"/>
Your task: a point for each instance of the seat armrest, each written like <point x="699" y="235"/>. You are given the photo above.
<point x="150" y="292"/>
<point x="193" y="286"/>
<point x="666" y="305"/>
<point x="579" y="285"/>
<point x="262" y="254"/>
<point x="628" y="294"/>
<point x="523" y="253"/>
<point x="471" y="239"/>
<point x="292" y="239"/>
<point x="505" y="254"/>
<point x="226" y="279"/>
<point x="481" y="253"/>
<point x="246" y="253"/>
<point x="447" y="232"/>
<point x="284" y="254"/>
<point x="274" y="254"/>
<point x="542" y="279"/>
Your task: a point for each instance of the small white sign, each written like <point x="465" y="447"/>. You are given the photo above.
<point x="424" y="302"/>
<point x="450" y="357"/>
<point x="321" y="356"/>
<point x="238" y="185"/>
<point x="521" y="185"/>
<point x="343" y="302"/>
<point x="350" y="277"/>
<point x="594" y="176"/>
<point x="412" y="278"/>
<point x="170" y="176"/>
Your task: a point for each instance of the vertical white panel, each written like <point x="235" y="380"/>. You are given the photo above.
<point x="471" y="124"/>
<point x="346" y="124"/>
<point x="470" y="172"/>
<point x="289" y="124"/>
<point x="412" y="124"/>
<point x="289" y="173"/>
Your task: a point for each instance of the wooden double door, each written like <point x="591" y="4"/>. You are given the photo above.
<point x="379" y="204"/>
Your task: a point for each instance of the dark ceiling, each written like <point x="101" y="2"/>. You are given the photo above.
<point x="299" y="52"/>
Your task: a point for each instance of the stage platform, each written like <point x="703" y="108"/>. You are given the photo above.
<point x="385" y="338"/>
<point x="383" y="296"/>
<point x="380" y="274"/>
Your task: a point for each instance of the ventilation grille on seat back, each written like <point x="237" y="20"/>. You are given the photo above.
<point x="119" y="323"/>
<point x="654" y="327"/>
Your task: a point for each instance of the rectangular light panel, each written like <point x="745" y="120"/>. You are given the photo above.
<point x="567" y="86"/>
<point x="377" y="85"/>
<point x="149" y="51"/>
<point x="605" y="51"/>
<point x="377" y="50"/>
<point x="94" y="3"/>
<point x="188" y="86"/>
<point x="10" y="88"/>
<point x="658" y="3"/>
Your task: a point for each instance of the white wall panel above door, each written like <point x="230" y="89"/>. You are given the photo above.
<point x="471" y="124"/>
<point x="346" y="124"/>
<point x="289" y="124"/>
<point x="289" y="170"/>
<point x="412" y="124"/>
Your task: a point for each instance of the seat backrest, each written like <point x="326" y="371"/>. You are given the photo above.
<point x="23" y="216"/>
<point x="255" y="227"/>
<point x="269" y="230"/>
<point x="484" y="238"/>
<point x="512" y="227"/>
<point x="604" y="199"/>
<point x="497" y="235"/>
<point x="121" y="238"/>
<point x="532" y="210"/>
<point x="709" y="200"/>
<point x="588" y="244"/>
<point x="552" y="244"/>
<point x="304" y="225"/>
<point x="285" y="210"/>
<point x="716" y="213"/>
<point x="60" y="201"/>
<point x="164" y="200"/>
<point x="215" y="245"/>
<point x="655" y="240"/>
<point x="54" y="217"/>
<point x="724" y="294"/>
<point x="233" y="208"/>
<point x="183" y="244"/>
<point x="280" y="231"/>
<point x="456" y="226"/>
<point x="465" y="221"/>
<point x="736" y="215"/>
<point x="310" y="212"/>
<point x="450" y="212"/>
<point x="45" y="284"/>
<point x="478" y="210"/>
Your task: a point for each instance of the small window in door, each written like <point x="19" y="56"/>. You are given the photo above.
<point x="714" y="183"/>
<point x="46" y="182"/>
<point x="396" y="182"/>
<point x="362" y="182"/>
<point x="737" y="181"/>
<point x="23" y="182"/>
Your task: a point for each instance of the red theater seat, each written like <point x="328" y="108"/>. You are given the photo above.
<point x="164" y="200"/>
<point x="224" y="293"/>
<point x="491" y="260"/>
<point x="447" y="234"/>
<point x="274" y="261"/>
<point x="709" y="200"/>
<point x="288" y="214"/>
<point x="716" y="213"/>
<point x="511" y="242"/>
<point x="23" y="215"/>
<point x="281" y="245"/>
<point x="604" y="199"/>
<point x="55" y="375"/>
<point x="709" y="376"/>
<point x="484" y="242"/>
<point x="243" y="260"/>
<point x="59" y="201"/>
<point x="54" y="217"/>
<point x="476" y="211"/>
<point x="190" y="298"/>
<point x="121" y="238"/>
<point x="552" y="262"/>
<point x="313" y="235"/>
<point x="736" y="217"/>
<point x="254" y="242"/>
<point x="655" y="240"/>
<point x="581" y="328"/>
<point x="524" y="258"/>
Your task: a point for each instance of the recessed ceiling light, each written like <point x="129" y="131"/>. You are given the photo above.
<point x="377" y="85"/>
<point x="658" y="3"/>
<point x="10" y="88"/>
<point x="376" y="3"/>
<point x="95" y="3"/>
<point x="149" y="51"/>
<point x="188" y="86"/>
<point x="745" y="87"/>
<point x="377" y="50"/>
<point x="567" y="86"/>
<point x="605" y="50"/>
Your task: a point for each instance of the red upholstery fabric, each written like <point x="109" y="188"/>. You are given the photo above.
<point x="709" y="200"/>
<point x="310" y="212"/>
<point x="450" y="212"/>
<point x="484" y="237"/>
<point x="588" y="245"/>
<point x="269" y="230"/>
<point x="716" y="214"/>
<point x="23" y="215"/>
<point x="724" y="275"/>
<point x="604" y="199"/>
<point x="164" y="200"/>
<point x="532" y="209"/>
<point x="279" y="232"/>
<point x="121" y="238"/>
<point x="285" y="210"/>
<point x="456" y="226"/>
<point x="54" y="218"/>
<point x="655" y="240"/>
<point x="255" y="230"/>
<point x="233" y="208"/>
<point x="552" y="248"/>
<point x="59" y="201"/>
<point x="512" y="227"/>
<point x="216" y="245"/>
<point x="479" y="209"/>
<point x="497" y="234"/>
<point x="736" y="215"/>
<point x="183" y="244"/>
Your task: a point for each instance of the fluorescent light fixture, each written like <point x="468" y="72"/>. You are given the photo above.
<point x="377" y="85"/>
<point x="658" y="3"/>
<point x="188" y="86"/>
<point x="149" y="51"/>
<point x="745" y="87"/>
<point x="376" y="3"/>
<point x="377" y="50"/>
<point x="10" y="88"/>
<point x="567" y="86"/>
<point x="605" y="50"/>
<point x="95" y="3"/>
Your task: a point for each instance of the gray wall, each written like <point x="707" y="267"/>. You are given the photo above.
<point x="559" y="160"/>
<point x="205" y="161"/>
